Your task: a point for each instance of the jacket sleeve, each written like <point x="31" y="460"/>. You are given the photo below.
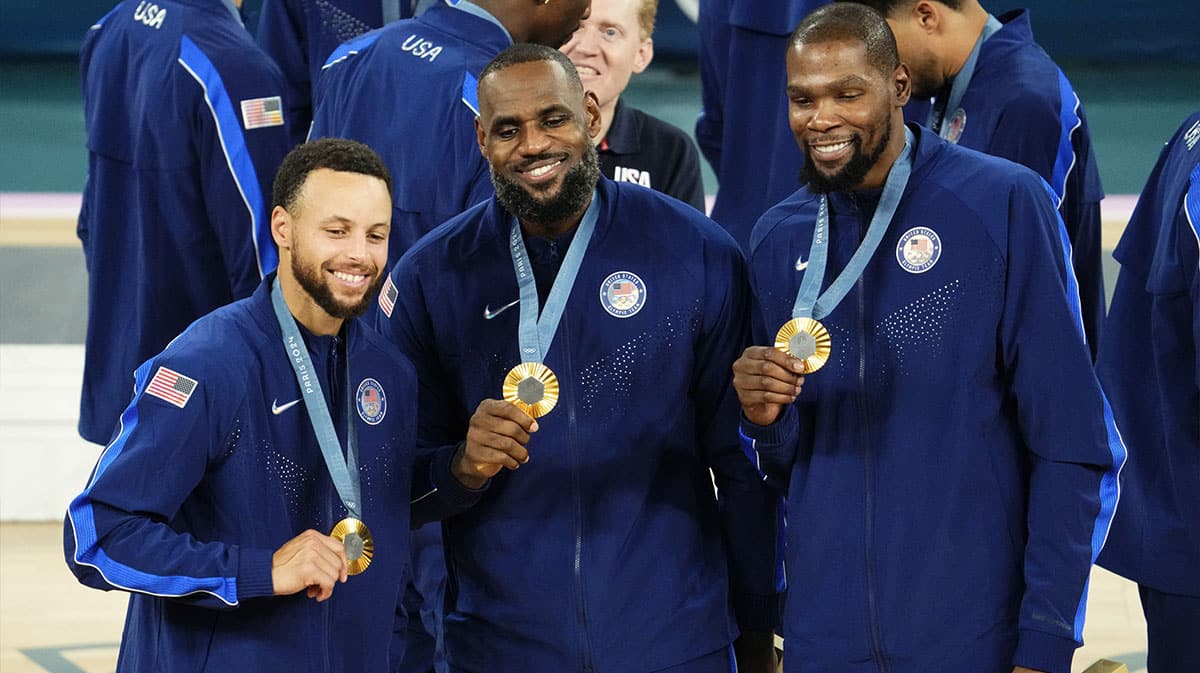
<point x="123" y="533"/>
<point x="714" y="55"/>
<point x="1074" y="451"/>
<point x="282" y="35"/>
<point x="240" y="141"/>
<point x="404" y="319"/>
<point x="747" y="507"/>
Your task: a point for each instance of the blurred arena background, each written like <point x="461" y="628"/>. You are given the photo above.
<point x="1135" y="65"/>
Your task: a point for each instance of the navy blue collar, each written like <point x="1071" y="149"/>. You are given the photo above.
<point x="624" y="133"/>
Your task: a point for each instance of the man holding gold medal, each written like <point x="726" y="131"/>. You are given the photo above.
<point x="923" y="395"/>
<point x="605" y="316"/>
<point x="266" y="457"/>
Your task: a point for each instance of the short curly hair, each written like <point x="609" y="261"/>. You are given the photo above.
<point x="337" y="154"/>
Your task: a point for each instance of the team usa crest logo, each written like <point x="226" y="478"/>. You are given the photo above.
<point x="372" y="404"/>
<point x="919" y="249"/>
<point x="623" y="294"/>
<point x="957" y="123"/>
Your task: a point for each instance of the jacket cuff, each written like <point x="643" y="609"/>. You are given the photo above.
<point x="756" y="612"/>
<point x="254" y="573"/>
<point x="774" y="434"/>
<point x="450" y="490"/>
<point x="1044" y="652"/>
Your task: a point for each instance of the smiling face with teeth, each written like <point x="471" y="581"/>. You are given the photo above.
<point x="534" y="128"/>
<point x="845" y="113"/>
<point x="333" y="244"/>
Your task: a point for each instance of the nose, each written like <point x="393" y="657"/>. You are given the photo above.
<point x="534" y="140"/>
<point x="823" y="117"/>
<point x="582" y="43"/>
<point x="357" y="246"/>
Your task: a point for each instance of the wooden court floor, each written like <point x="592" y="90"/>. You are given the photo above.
<point x="51" y="624"/>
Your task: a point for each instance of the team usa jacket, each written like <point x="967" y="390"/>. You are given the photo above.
<point x="301" y="34"/>
<point x="185" y="129"/>
<point x="743" y="125"/>
<point x="408" y="91"/>
<point x="1020" y="106"/>
<point x="215" y="466"/>
<point x="645" y="150"/>
<point x="607" y="551"/>
<point x="1148" y="363"/>
<point x="951" y="472"/>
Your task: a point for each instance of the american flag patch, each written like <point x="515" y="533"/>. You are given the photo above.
<point x="387" y="297"/>
<point x="259" y="113"/>
<point x="172" y="386"/>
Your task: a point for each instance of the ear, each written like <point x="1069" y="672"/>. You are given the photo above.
<point x="281" y="228"/>
<point x="644" y="55"/>
<point x="591" y="108"/>
<point x="928" y="16"/>
<point x="901" y="86"/>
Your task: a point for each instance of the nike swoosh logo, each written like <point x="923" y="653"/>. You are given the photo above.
<point x="488" y="313"/>
<point x="801" y="264"/>
<point x="277" y="409"/>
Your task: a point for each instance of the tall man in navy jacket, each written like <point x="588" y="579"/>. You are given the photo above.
<point x="995" y="90"/>
<point x="185" y="128"/>
<point x="408" y="90"/>
<point x="1149" y="362"/>
<point x="951" y="471"/>
<point x="598" y="544"/>
<point x="250" y="437"/>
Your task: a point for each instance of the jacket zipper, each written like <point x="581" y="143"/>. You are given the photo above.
<point x="573" y="447"/>
<point x="868" y="470"/>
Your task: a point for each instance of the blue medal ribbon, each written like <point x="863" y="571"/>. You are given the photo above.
<point x="536" y="333"/>
<point x="937" y="115"/>
<point x="343" y="471"/>
<point x="808" y="303"/>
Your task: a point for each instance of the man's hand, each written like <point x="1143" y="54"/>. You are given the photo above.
<point x="496" y="439"/>
<point x="765" y="380"/>
<point x="311" y="561"/>
<point x="755" y="652"/>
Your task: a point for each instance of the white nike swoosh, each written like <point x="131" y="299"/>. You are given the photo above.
<point x="801" y="264"/>
<point x="488" y="313"/>
<point x="277" y="409"/>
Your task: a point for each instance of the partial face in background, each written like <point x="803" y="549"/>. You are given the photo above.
<point x="840" y="109"/>
<point x="609" y="48"/>
<point x="534" y="128"/>
<point x="555" y="21"/>
<point x="915" y="46"/>
<point x="337" y="236"/>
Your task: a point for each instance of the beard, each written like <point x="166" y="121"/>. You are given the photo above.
<point x="545" y="213"/>
<point x="312" y="280"/>
<point x="851" y="175"/>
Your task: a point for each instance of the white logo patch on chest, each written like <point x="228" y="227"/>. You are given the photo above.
<point x="918" y="250"/>
<point x="623" y="294"/>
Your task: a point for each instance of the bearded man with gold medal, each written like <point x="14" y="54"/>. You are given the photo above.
<point x="255" y="499"/>
<point x="572" y="337"/>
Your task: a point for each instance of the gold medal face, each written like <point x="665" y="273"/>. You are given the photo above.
<point x="359" y="545"/>
<point x="806" y="340"/>
<point x="532" y="387"/>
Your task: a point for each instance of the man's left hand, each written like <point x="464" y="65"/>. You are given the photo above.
<point x="755" y="652"/>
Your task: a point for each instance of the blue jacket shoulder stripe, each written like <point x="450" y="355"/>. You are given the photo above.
<point x="470" y="93"/>
<point x="1191" y="202"/>
<point x="233" y="144"/>
<point x="87" y="548"/>
<point x="350" y="48"/>
<point x="1068" y="122"/>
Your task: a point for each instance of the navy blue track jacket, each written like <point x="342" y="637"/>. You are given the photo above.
<point x="215" y="465"/>
<point x="743" y="126"/>
<point x="1148" y="363"/>
<point x="1020" y="106"/>
<point x="185" y="128"/>
<point x="408" y="91"/>
<point x="952" y="471"/>
<point x="606" y="551"/>
<point x="301" y="34"/>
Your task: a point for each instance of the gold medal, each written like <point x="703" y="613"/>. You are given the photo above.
<point x="356" y="538"/>
<point x="806" y="340"/>
<point x="532" y="387"/>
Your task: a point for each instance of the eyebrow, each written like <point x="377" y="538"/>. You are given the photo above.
<point x="512" y="120"/>
<point x="843" y="83"/>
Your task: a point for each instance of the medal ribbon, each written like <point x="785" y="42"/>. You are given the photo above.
<point x="536" y="333"/>
<point x="343" y="471"/>
<point x="808" y="303"/>
<point x="937" y="115"/>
